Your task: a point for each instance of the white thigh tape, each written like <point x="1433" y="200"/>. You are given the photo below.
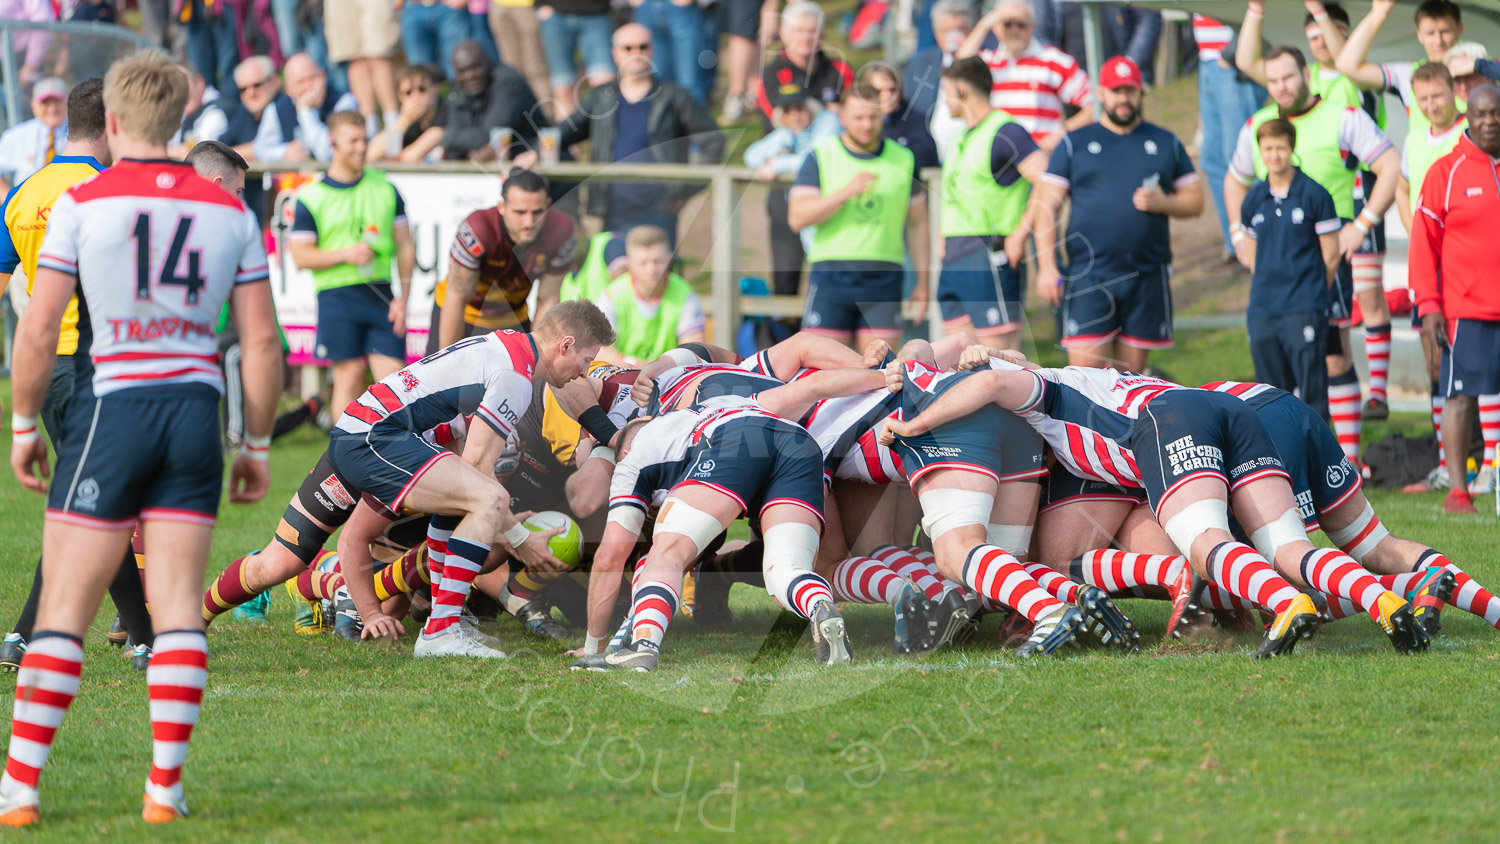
<point x="790" y="546"/>
<point x="1285" y="529"/>
<point x="677" y="516"/>
<point x="630" y="518"/>
<point x="948" y="509"/>
<point x="1015" y="539"/>
<point x="1200" y="516"/>
<point x="1348" y="538"/>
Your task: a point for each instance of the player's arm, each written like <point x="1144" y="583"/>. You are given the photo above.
<point x="808" y="204"/>
<point x="462" y="282"/>
<point x="406" y="264"/>
<point x="975" y="39"/>
<point x="261" y="376"/>
<point x="1046" y="200"/>
<point x="307" y="256"/>
<point x="918" y="242"/>
<point x="34" y="357"/>
<point x="1332" y="257"/>
<point x="620" y="535"/>
<point x="1014" y="391"/>
<point x="1353" y="60"/>
<point x="794" y="400"/>
<point x="588" y="488"/>
<point x="365" y="525"/>
<point x="483" y="447"/>
<point x="1247" y="56"/>
<point x="809" y="351"/>
<point x="1403" y="202"/>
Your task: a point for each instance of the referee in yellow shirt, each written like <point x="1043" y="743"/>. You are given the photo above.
<point x="24" y="217"/>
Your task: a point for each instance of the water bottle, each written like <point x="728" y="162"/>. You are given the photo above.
<point x="369" y="238"/>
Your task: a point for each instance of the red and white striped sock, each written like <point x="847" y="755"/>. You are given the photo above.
<point x="439" y="531"/>
<point x="1468" y="595"/>
<point x="930" y="561"/>
<point x="1117" y="571"/>
<point x="1336" y="575"/>
<point x="1347" y="415"/>
<point x="801" y="593"/>
<point x="1438" y="400"/>
<point x="1246" y="574"/>
<point x="1489" y="424"/>
<point x="1215" y="597"/>
<point x="1057" y="584"/>
<point x="175" y="680"/>
<point x="465" y="558"/>
<point x="865" y="580"/>
<point x="994" y="572"/>
<point x="45" y="688"/>
<point x="1341" y="608"/>
<point x="1402" y="584"/>
<point x="1378" y="352"/>
<point x="651" y="610"/>
<point x="901" y="561"/>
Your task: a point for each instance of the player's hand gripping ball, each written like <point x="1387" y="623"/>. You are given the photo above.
<point x="566" y="546"/>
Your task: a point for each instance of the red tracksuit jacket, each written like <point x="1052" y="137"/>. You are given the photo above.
<point x="1455" y="241"/>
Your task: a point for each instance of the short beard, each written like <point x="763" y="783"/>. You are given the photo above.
<point x="1135" y="114"/>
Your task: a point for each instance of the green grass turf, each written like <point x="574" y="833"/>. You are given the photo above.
<point x="315" y="739"/>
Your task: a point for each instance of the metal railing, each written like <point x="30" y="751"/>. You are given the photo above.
<point x="72" y="51"/>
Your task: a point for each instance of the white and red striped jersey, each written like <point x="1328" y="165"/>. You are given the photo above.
<point x="1212" y="37"/>
<point x="183" y="241"/>
<point x="744" y="379"/>
<point x="846" y="430"/>
<point x="1034" y="87"/>
<point x="1085" y="415"/>
<point x="665" y="451"/>
<point x="488" y="376"/>
<point x="1254" y="394"/>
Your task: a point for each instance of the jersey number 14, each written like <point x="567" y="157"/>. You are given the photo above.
<point x="192" y="282"/>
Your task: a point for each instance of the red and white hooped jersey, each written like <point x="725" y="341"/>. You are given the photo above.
<point x="1085" y="415"/>
<point x="744" y="379"/>
<point x="157" y="249"/>
<point x="846" y="430"/>
<point x="666" y="449"/>
<point x="488" y="375"/>
<point x="1254" y="394"/>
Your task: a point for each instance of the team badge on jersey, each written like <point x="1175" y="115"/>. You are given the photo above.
<point x="409" y="380"/>
<point x="468" y="241"/>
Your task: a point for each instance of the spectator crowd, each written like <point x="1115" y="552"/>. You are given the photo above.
<point x="996" y="94"/>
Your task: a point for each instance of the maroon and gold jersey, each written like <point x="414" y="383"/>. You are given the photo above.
<point x="505" y="275"/>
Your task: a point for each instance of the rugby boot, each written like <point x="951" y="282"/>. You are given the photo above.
<point x="1105" y="620"/>
<point x="117" y="634"/>
<point x="640" y="656"/>
<point x="949" y="615"/>
<point x="1399" y="623"/>
<point x="911" y="610"/>
<point x="162" y="804"/>
<point x="830" y="641"/>
<point x="1432" y="592"/>
<point x="11" y="651"/>
<point x="1052" y="631"/>
<point x="1298" y="621"/>
<point x="21" y="808"/>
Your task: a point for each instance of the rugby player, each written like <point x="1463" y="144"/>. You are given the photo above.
<point x="151" y="370"/>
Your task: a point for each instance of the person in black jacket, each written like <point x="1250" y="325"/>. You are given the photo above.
<point x="640" y="118"/>
<point x="486" y="96"/>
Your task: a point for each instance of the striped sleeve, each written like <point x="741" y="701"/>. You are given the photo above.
<point x="253" y="263"/>
<point x="60" y="246"/>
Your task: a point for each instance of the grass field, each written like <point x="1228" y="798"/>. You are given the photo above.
<point x="740" y="735"/>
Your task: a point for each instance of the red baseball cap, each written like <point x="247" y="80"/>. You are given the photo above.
<point x="1120" y="72"/>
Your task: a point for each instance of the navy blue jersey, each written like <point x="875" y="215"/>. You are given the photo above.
<point x="1101" y="171"/>
<point x="1290" y="276"/>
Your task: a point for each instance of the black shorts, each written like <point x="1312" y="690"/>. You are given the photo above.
<point x="384" y="466"/>
<point x="990" y="441"/>
<point x="1061" y="487"/>
<point x="151" y="453"/>
<point x="1183" y="435"/>
<point x="325" y="497"/>
<point x="1322" y="478"/>
<point x="1471" y="360"/>
<point x="762" y="462"/>
<point x="973" y="291"/>
<point x="740" y="17"/>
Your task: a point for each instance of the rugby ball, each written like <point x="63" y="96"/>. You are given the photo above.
<point x="566" y="546"/>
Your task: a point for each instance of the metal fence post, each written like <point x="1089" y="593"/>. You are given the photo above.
<point x="8" y="67"/>
<point x="724" y="255"/>
<point x="933" y="178"/>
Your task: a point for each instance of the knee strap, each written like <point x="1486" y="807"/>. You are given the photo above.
<point x="949" y="509"/>
<point x="677" y="516"/>
<point x="1361" y="536"/>
<point x="1285" y="529"/>
<point x="1195" y="519"/>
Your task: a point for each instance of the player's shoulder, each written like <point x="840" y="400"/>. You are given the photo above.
<point x="155" y="180"/>
<point x="557" y="230"/>
<point x="484" y="225"/>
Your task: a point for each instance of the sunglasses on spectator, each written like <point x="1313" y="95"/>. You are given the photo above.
<point x="1014" y="24"/>
<point x="635" y="48"/>
<point x="254" y="86"/>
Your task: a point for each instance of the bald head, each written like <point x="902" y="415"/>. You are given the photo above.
<point x="471" y="68"/>
<point x="632" y="51"/>
<point x="1484" y="119"/>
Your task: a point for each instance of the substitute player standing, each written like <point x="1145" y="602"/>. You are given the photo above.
<point x="1126" y="178"/>
<point x="152" y="373"/>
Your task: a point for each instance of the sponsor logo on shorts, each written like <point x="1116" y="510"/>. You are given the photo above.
<point x="1337" y="473"/>
<point x="1305" y="507"/>
<point x="933" y="451"/>
<point x="704" y="469"/>
<point x="1308" y="333"/>
<point x="1252" y="465"/>
<point x="342" y="500"/>
<point x="1186" y="456"/>
<point x="87" y="497"/>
